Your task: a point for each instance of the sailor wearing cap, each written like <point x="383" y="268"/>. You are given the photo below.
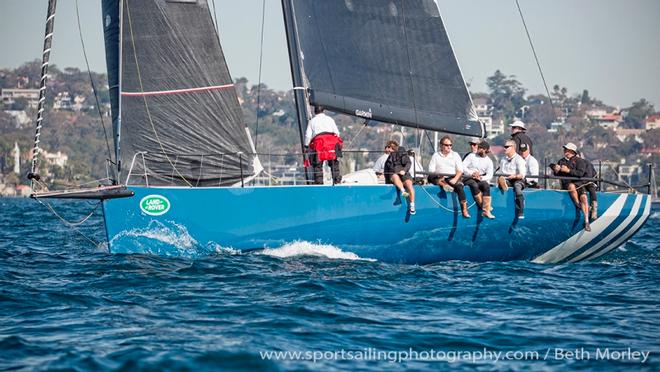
<point x="474" y="142"/>
<point x="514" y="168"/>
<point x="523" y="142"/>
<point x="478" y="171"/>
<point x="572" y="165"/>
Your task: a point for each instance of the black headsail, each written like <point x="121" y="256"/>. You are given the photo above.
<point x="389" y="60"/>
<point x="172" y="96"/>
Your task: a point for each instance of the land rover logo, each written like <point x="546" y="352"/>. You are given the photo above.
<point x="154" y="205"/>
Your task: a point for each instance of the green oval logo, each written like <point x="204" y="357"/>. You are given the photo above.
<point x="155" y="205"/>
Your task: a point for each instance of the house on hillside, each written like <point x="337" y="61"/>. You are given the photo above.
<point x="623" y="134"/>
<point x="58" y="158"/>
<point x="10" y="95"/>
<point x="484" y="112"/>
<point x="652" y="122"/>
<point x="607" y="120"/>
<point x="62" y="101"/>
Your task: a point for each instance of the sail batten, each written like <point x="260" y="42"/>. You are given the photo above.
<point x="389" y="60"/>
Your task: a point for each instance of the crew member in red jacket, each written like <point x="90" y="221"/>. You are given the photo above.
<point x="325" y="144"/>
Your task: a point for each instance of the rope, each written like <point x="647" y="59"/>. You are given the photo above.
<point x="439" y="204"/>
<point x="146" y="105"/>
<point x="66" y="222"/>
<point x="261" y="55"/>
<point x="73" y="225"/>
<point x="538" y="64"/>
<point x="357" y="134"/>
<point x="619" y="177"/>
<point x="89" y="72"/>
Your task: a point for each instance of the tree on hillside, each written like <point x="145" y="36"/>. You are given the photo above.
<point x="585" y="99"/>
<point x="507" y="94"/>
<point x="31" y="70"/>
<point x="638" y="112"/>
<point x="652" y="138"/>
<point x="540" y="110"/>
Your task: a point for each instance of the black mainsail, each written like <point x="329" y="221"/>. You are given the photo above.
<point x="388" y="60"/>
<point x="172" y="96"/>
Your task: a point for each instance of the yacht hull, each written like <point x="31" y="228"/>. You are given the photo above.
<point x="370" y="221"/>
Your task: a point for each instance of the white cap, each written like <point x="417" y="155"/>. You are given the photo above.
<point x="518" y="124"/>
<point x="476" y="140"/>
<point x="571" y="146"/>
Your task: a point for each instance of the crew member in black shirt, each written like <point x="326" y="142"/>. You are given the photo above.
<point x="523" y="142"/>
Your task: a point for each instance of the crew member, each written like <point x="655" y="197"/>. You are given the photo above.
<point x="322" y="138"/>
<point x="514" y="168"/>
<point x="478" y="170"/>
<point x="447" y="162"/>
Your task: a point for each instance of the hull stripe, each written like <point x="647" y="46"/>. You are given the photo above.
<point x="621" y="228"/>
<point x="569" y="246"/>
<point x="629" y="233"/>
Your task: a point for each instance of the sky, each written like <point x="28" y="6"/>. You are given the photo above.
<point x="610" y="47"/>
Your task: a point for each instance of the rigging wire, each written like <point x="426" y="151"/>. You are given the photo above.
<point x="91" y="80"/>
<point x="146" y="105"/>
<point x="73" y="225"/>
<point x="538" y="64"/>
<point x="261" y="54"/>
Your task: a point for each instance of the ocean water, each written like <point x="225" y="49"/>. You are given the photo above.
<point x="65" y="303"/>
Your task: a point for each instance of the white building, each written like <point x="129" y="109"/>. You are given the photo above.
<point x="21" y="117"/>
<point x="554" y="126"/>
<point x="652" y="122"/>
<point x="59" y="158"/>
<point x="607" y="120"/>
<point x="62" y="101"/>
<point x="624" y="134"/>
<point x="9" y="96"/>
<point x="484" y="112"/>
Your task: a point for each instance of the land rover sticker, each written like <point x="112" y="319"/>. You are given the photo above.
<point x="155" y="205"/>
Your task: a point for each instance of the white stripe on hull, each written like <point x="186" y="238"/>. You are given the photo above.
<point x="630" y="232"/>
<point x="579" y="240"/>
<point x="608" y="239"/>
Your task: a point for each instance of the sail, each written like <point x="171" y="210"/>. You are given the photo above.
<point x="172" y="96"/>
<point x="388" y="60"/>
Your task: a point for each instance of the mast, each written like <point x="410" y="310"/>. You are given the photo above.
<point x="48" y="38"/>
<point x="299" y="89"/>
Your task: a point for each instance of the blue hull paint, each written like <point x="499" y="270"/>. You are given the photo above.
<point x="371" y="222"/>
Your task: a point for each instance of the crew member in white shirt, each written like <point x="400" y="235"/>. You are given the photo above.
<point x="446" y="168"/>
<point x="478" y="170"/>
<point x="322" y="124"/>
<point x="514" y="167"/>
<point x="532" y="170"/>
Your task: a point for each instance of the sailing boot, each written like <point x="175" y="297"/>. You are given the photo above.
<point x="464" y="209"/>
<point x="480" y="201"/>
<point x="502" y="184"/>
<point x="487" y="208"/>
<point x="594" y="210"/>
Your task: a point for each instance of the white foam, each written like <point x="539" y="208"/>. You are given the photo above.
<point x="217" y="248"/>
<point x="304" y="248"/>
<point x="157" y="231"/>
<point x="174" y="235"/>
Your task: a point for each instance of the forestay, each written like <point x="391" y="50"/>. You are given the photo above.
<point x="172" y="95"/>
<point x="389" y="60"/>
